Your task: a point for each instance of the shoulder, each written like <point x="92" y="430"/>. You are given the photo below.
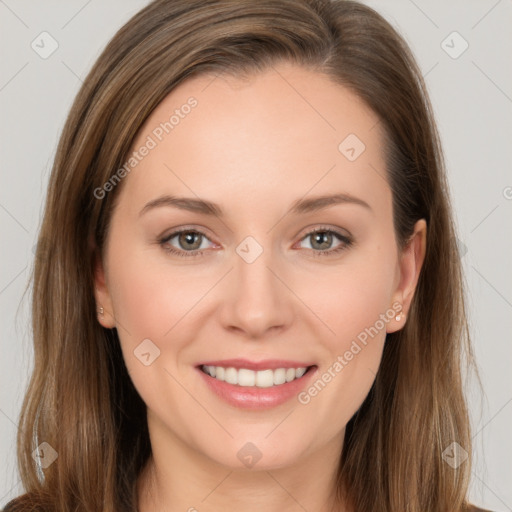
<point x="473" y="508"/>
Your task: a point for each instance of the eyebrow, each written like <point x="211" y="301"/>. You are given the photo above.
<point x="301" y="206"/>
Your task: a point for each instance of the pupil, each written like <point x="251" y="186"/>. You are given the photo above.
<point x="323" y="234"/>
<point x="189" y="238"/>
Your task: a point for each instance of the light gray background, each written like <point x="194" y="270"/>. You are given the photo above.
<point x="472" y="98"/>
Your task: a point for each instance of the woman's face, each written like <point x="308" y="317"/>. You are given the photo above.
<point x="252" y="282"/>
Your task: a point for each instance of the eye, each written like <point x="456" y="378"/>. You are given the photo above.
<point x="322" y="239"/>
<point x="189" y="242"/>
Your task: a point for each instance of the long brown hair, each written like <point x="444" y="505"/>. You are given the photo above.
<point x="81" y="400"/>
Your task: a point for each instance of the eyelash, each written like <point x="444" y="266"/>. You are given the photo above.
<point x="347" y="242"/>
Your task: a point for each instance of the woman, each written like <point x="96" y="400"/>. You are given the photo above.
<point x="247" y="371"/>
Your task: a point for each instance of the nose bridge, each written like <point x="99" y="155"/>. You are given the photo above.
<point x="259" y="300"/>
<point x="252" y="266"/>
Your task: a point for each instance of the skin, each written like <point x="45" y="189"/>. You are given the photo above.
<point x="253" y="147"/>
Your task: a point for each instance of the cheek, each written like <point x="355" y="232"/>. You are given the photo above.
<point x="359" y="311"/>
<point x="152" y="302"/>
<point x="355" y="305"/>
<point x="150" y="298"/>
<point x="351" y="298"/>
<point x="354" y="301"/>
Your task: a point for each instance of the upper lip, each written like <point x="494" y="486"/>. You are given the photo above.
<point x="266" y="364"/>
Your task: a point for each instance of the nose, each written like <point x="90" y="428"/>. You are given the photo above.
<point x="257" y="299"/>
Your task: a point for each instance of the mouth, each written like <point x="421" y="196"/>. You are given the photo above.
<point x="256" y="385"/>
<point x="264" y="378"/>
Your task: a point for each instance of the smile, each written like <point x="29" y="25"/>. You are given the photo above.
<point x="249" y="378"/>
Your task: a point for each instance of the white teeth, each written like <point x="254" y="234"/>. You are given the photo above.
<point x="264" y="378"/>
<point x="217" y="371"/>
<point x="300" y="372"/>
<point x="249" y="378"/>
<point x="231" y="376"/>
<point x="279" y="376"/>
<point x="246" y="377"/>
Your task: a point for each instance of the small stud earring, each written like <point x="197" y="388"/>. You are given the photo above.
<point x="100" y="310"/>
<point x="399" y="316"/>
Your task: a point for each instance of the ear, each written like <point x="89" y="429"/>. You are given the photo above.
<point x="410" y="264"/>
<point x="102" y="294"/>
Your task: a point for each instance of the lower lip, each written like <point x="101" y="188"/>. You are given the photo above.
<point x="254" y="397"/>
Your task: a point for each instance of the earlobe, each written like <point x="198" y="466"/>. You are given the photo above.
<point x="104" y="310"/>
<point x="411" y="263"/>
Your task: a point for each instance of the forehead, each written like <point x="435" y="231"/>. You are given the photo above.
<point x="287" y="129"/>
